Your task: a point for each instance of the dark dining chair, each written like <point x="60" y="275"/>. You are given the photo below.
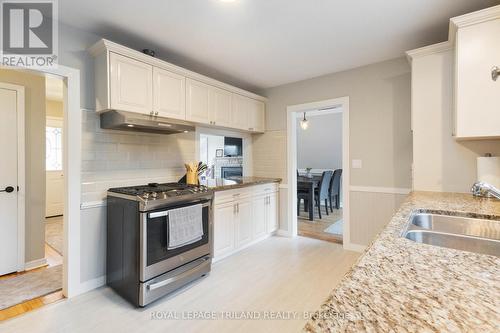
<point x="334" y="189"/>
<point x="321" y="193"/>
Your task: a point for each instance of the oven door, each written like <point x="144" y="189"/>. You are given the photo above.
<point x="156" y="258"/>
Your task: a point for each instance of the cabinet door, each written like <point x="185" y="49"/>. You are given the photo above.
<point x="220" y="107"/>
<point x="259" y="216"/>
<point x="256" y="116"/>
<point x="130" y="84"/>
<point x="197" y="101"/>
<point x="244" y="225"/>
<point x="169" y="94"/>
<point x="224" y="228"/>
<point x="239" y="114"/>
<point x="478" y="51"/>
<point x="272" y="213"/>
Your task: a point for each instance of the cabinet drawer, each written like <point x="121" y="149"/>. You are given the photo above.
<point x="232" y="195"/>
<point x="265" y="189"/>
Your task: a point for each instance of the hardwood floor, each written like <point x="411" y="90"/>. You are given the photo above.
<point x="315" y="229"/>
<point x="278" y="274"/>
<point x="53" y="259"/>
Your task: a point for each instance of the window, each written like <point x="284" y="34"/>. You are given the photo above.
<point x="53" y="148"/>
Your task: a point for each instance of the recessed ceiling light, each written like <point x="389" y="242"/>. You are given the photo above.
<point x="186" y="131"/>
<point x="130" y="125"/>
<point x="227" y="0"/>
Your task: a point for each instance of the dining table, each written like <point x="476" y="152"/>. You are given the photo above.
<point x="307" y="184"/>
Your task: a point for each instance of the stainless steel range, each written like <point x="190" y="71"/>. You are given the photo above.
<point x="159" y="238"/>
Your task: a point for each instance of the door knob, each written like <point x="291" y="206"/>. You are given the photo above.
<point x="8" y="189"/>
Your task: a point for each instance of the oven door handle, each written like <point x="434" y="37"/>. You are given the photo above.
<point x="176" y="277"/>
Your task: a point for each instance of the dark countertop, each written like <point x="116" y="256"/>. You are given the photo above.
<point x="222" y="184"/>
<point x="399" y="285"/>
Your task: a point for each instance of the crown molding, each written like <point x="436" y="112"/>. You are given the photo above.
<point x="428" y="50"/>
<point x="105" y="45"/>
<point x="487" y="14"/>
<point x="479" y="16"/>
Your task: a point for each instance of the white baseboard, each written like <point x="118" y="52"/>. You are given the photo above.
<point x="354" y="247"/>
<point x="283" y="233"/>
<point x="91" y="284"/>
<point x="35" y="264"/>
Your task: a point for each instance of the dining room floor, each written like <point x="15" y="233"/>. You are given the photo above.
<point x="328" y="228"/>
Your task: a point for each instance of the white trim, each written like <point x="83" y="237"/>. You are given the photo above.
<point x="428" y="50"/>
<point x="354" y="247"/>
<point x="476" y="17"/>
<point x="284" y="186"/>
<point x="255" y="241"/>
<point x="93" y="204"/>
<point x="389" y="190"/>
<point x="21" y="173"/>
<point x="35" y="264"/>
<point x="91" y="284"/>
<point x="343" y="103"/>
<point x="71" y="163"/>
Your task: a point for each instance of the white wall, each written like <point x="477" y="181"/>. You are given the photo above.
<point x="440" y="162"/>
<point x="320" y="146"/>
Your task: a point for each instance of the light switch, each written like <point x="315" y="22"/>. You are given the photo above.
<point x="357" y="164"/>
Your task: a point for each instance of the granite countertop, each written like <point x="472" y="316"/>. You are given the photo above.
<point x="398" y="285"/>
<point x="222" y="184"/>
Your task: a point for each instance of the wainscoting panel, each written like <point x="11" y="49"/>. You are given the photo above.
<point x="370" y="212"/>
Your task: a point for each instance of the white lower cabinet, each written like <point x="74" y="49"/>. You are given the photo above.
<point x="243" y="221"/>
<point x="243" y="217"/>
<point x="224" y="228"/>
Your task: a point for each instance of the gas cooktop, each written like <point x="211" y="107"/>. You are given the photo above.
<point x="160" y="192"/>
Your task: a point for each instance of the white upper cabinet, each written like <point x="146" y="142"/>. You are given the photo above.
<point x="197" y="101"/>
<point x="248" y="114"/>
<point x="239" y="111"/>
<point x="130" y="84"/>
<point x="477" y="112"/>
<point x="220" y="107"/>
<point x="257" y="116"/>
<point x="128" y="80"/>
<point x="169" y="94"/>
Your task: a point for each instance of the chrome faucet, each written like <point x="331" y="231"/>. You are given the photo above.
<point x="481" y="189"/>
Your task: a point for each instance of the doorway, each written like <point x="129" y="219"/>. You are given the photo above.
<point x="33" y="259"/>
<point x="335" y="225"/>
<point x="319" y="169"/>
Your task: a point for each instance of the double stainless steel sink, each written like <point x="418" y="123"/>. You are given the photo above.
<point x="456" y="232"/>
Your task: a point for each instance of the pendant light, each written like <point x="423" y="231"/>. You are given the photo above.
<point x="304" y="123"/>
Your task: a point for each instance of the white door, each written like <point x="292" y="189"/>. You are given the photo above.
<point x="169" y="92"/>
<point x="224" y="220"/>
<point x="131" y="84"/>
<point x="259" y="216"/>
<point x="220" y="107"/>
<point x="244" y="225"/>
<point x="54" y="176"/>
<point x="8" y="178"/>
<point x="272" y="212"/>
<point x="197" y="101"/>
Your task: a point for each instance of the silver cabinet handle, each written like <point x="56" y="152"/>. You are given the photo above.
<point x="238" y="207"/>
<point x="495" y="73"/>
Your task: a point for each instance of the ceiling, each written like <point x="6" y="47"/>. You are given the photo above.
<point x="256" y="44"/>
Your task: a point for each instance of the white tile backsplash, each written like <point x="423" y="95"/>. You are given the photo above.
<point x="118" y="158"/>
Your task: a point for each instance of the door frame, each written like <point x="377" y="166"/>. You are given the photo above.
<point x="292" y="111"/>
<point x="72" y="134"/>
<point x="21" y="194"/>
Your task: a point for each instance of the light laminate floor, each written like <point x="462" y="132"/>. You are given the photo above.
<point x="278" y="274"/>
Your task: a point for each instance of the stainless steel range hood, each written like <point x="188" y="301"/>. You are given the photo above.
<point x="129" y="121"/>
